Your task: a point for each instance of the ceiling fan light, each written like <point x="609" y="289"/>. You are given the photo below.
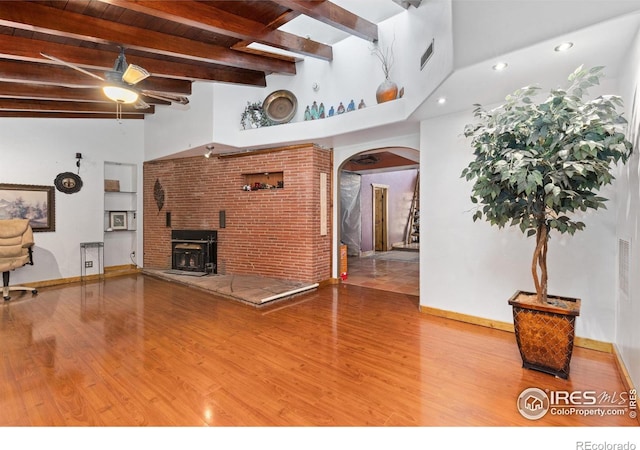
<point x="134" y="74"/>
<point x="120" y="94"/>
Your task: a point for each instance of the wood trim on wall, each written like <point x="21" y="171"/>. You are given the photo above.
<point x="591" y="344"/>
<point x="242" y="153"/>
<point x="111" y="271"/>
<point x="624" y="374"/>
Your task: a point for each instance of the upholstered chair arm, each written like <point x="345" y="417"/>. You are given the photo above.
<point x="27" y="238"/>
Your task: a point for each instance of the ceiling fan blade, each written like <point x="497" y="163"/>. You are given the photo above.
<point x="167" y="97"/>
<point x="72" y="66"/>
<point x="134" y="74"/>
<point x="141" y="104"/>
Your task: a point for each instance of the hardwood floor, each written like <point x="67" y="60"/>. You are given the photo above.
<point x="140" y="351"/>
<point x="386" y="273"/>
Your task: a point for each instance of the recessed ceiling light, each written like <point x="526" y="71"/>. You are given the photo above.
<point x="500" y="66"/>
<point x="442" y="100"/>
<point x="564" y="47"/>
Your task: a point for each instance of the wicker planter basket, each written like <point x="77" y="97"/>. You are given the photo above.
<point x="545" y="333"/>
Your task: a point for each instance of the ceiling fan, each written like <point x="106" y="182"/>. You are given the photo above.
<point x="119" y="83"/>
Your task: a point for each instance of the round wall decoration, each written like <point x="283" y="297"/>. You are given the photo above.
<point x="280" y="106"/>
<point x="68" y="182"/>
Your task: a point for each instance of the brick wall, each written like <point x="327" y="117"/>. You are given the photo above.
<point x="274" y="232"/>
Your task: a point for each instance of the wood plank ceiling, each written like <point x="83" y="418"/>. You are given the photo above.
<point x="177" y="42"/>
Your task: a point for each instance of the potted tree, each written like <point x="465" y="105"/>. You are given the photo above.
<point x="534" y="165"/>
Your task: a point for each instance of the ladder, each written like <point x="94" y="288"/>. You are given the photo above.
<point x="413" y="228"/>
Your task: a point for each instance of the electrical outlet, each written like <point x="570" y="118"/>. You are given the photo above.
<point x="88" y="264"/>
<point x="133" y="254"/>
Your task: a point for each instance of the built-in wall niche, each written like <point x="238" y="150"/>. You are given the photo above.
<point x="120" y="197"/>
<point x="120" y="213"/>
<point x="262" y="181"/>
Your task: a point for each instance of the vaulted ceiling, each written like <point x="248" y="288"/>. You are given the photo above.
<point x="46" y="45"/>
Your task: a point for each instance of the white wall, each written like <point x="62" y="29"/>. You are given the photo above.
<point x="473" y="268"/>
<point x="35" y="151"/>
<point x="355" y="75"/>
<point x="177" y="128"/>
<point x="627" y="337"/>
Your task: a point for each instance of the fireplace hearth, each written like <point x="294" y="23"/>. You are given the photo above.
<point x="194" y="250"/>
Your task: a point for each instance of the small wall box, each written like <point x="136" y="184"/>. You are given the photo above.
<point x="112" y="185"/>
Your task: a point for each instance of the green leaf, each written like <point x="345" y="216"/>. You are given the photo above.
<point x="542" y="162"/>
<point x="523" y="226"/>
<point x="549" y="201"/>
<point x="548" y="188"/>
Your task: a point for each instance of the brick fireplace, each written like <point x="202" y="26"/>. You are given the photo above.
<point x="273" y="232"/>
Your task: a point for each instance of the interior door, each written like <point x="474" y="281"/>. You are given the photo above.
<point x="380" y="219"/>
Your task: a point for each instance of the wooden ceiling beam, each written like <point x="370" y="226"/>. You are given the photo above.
<point x="9" y="104"/>
<point x="177" y="42"/>
<point x="205" y="16"/>
<point x="334" y="15"/>
<point x="20" y="48"/>
<point x="36" y="73"/>
<point x="37" y="17"/>
<point x="67" y="115"/>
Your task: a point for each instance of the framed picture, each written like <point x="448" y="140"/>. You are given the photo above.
<point x="27" y="201"/>
<point x="118" y="220"/>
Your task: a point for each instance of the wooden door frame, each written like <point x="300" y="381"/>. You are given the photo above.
<point x="385" y="187"/>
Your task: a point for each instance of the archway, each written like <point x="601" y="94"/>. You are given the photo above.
<point x="378" y="209"/>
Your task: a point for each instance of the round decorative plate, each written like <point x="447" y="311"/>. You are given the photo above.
<point x="280" y="106"/>
<point x="68" y="182"/>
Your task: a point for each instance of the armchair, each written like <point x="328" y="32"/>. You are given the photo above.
<point x="16" y="242"/>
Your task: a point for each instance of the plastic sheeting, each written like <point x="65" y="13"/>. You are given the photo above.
<point x="350" y="216"/>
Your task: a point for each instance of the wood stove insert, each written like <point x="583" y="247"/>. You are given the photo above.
<point x="194" y="250"/>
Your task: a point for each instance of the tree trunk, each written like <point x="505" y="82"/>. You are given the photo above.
<point x="540" y="260"/>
